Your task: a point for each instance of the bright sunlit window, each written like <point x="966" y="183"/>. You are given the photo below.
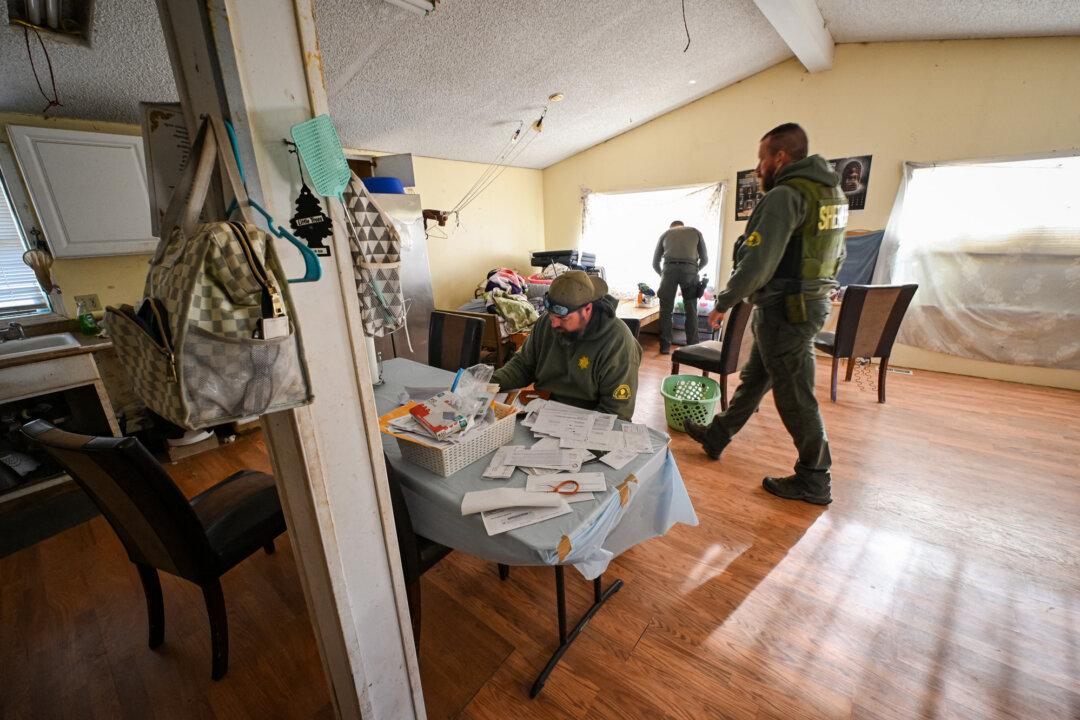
<point x="20" y="293"/>
<point x="995" y="249"/>
<point x="622" y="229"/>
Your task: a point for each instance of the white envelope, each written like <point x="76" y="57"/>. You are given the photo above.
<point x="498" y="498"/>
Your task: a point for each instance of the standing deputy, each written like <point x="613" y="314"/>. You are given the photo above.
<point x="786" y="263"/>
<point x="579" y="351"/>
<point x="683" y="251"/>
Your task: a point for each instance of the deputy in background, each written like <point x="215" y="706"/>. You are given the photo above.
<point x="683" y="252"/>
<point x="786" y="263"/>
<point x="579" y="351"/>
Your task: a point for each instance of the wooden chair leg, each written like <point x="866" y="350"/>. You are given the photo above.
<point x="268" y="548"/>
<point x="723" y="392"/>
<point x="883" y="372"/>
<point x="835" y="369"/>
<point x="851" y="363"/>
<point x="504" y="571"/>
<point x="219" y="629"/>
<point x="674" y="368"/>
<point x="704" y="373"/>
<point x="155" y="608"/>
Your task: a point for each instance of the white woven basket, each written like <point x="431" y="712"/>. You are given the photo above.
<point x="447" y="461"/>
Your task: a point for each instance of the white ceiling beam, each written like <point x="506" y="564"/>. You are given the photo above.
<point x="801" y="26"/>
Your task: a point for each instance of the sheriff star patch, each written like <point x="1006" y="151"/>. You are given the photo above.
<point x="622" y="392"/>
<point x="754" y="240"/>
<point x="583" y="362"/>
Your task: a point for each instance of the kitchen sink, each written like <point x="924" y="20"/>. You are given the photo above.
<point x="41" y="343"/>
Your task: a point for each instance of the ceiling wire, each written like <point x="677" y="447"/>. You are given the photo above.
<point x="495" y="177"/>
<point x="510" y="152"/>
<point x="491" y="167"/>
<point x="685" y="26"/>
<point x="54" y="101"/>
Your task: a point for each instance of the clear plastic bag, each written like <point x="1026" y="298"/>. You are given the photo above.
<point x="474" y="390"/>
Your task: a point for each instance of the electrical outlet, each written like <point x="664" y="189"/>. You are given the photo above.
<point x="91" y="302"/>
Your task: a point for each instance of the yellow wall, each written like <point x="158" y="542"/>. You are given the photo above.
<point x="924" y="101"/>
<point x="500" y="228"/>
<point x="116" y="279"/>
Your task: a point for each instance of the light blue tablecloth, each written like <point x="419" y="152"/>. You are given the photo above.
<point x="596" y="530"/>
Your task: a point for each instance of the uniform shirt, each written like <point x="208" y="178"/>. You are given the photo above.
<point x="598" y="372"/>
<point x="682" y="244"/>
<point x="776" y="217"/>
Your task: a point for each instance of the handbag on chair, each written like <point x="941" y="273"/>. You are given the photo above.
<point x="224" y="341"/>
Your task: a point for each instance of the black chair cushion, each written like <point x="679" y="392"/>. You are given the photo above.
<point x="825" y="341"/>
<point x="240" y="514"/>
<point x="704" y="356"/>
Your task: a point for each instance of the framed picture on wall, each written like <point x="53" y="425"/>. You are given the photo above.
<point x="747" y="193"/>
<point x="854" y="175"/>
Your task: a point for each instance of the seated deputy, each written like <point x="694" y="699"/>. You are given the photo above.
<point x="579" y="351"/>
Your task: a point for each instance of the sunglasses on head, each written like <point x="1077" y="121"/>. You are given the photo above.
<point x="559" y="310"/>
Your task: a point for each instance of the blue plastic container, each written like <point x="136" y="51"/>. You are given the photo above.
<point x="385" y="185"/>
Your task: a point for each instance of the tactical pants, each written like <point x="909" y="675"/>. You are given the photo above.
<point x="782" y="359"/>
<point x="678" y="276"/>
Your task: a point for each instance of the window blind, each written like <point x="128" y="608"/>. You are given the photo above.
<point x="20" y="293"/>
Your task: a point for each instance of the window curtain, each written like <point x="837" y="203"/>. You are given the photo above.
<point x="995" y="250"/>
<point x="622" y="228"/>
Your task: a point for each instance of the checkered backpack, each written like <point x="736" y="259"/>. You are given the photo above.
<point x="221" y="341"/>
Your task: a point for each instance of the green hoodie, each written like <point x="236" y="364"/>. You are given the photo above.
<point x="599" y="371"/>
<point x="776" y="217"/>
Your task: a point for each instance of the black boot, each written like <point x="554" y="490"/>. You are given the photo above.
<point x="665" y="348"/>
<point x="701" y="434"/>
<point x="794" y="487"/>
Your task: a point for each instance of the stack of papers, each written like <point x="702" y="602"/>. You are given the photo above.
<point x="565" y="436"/>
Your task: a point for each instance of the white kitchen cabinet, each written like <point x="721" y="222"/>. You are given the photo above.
<point x="88" y="190"/>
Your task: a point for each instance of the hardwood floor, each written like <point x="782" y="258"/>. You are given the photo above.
<point x="942" y="582"/>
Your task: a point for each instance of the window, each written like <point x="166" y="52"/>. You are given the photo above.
<point x="622" y="229"/>
<point x="20" y="293"/>
<point x="995" y="249"/>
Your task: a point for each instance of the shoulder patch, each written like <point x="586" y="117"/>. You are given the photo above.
<point x="583" y="362"/>
<point x="622" y="392"/>
<point x="754" y="240"/>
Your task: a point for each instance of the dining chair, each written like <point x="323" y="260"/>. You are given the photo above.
<point x="198" y="540"/>
<point x="494" y="348"/>
<point x="418" y="554"/>
<point x="718" y="356"/>
<point x="870" y="317"/>
<point x="454" y="340"/>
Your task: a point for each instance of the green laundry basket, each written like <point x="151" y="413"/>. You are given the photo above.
<point x="689" y="397"/>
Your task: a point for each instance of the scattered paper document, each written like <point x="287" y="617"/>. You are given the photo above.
<point x="552" y="459"/>
<point x="532" y="410"/>
<point x="578" y="497"/>
<point x="499" y="468"/>
<point x="603" y="421"/>
<point x="618" y="458"/>
<point x="636" y="437"/>
<point x="498" y="498"/>
<point x="499" y="521"/>
<point x="603" y="440"/>
<point x="587" y="482"/>
<point x="564" y="421"/>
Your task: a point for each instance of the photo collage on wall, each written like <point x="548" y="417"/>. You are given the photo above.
<point x="854" y="175"/>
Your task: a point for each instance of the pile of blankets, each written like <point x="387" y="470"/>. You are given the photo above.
<point x="504" y="292"/>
